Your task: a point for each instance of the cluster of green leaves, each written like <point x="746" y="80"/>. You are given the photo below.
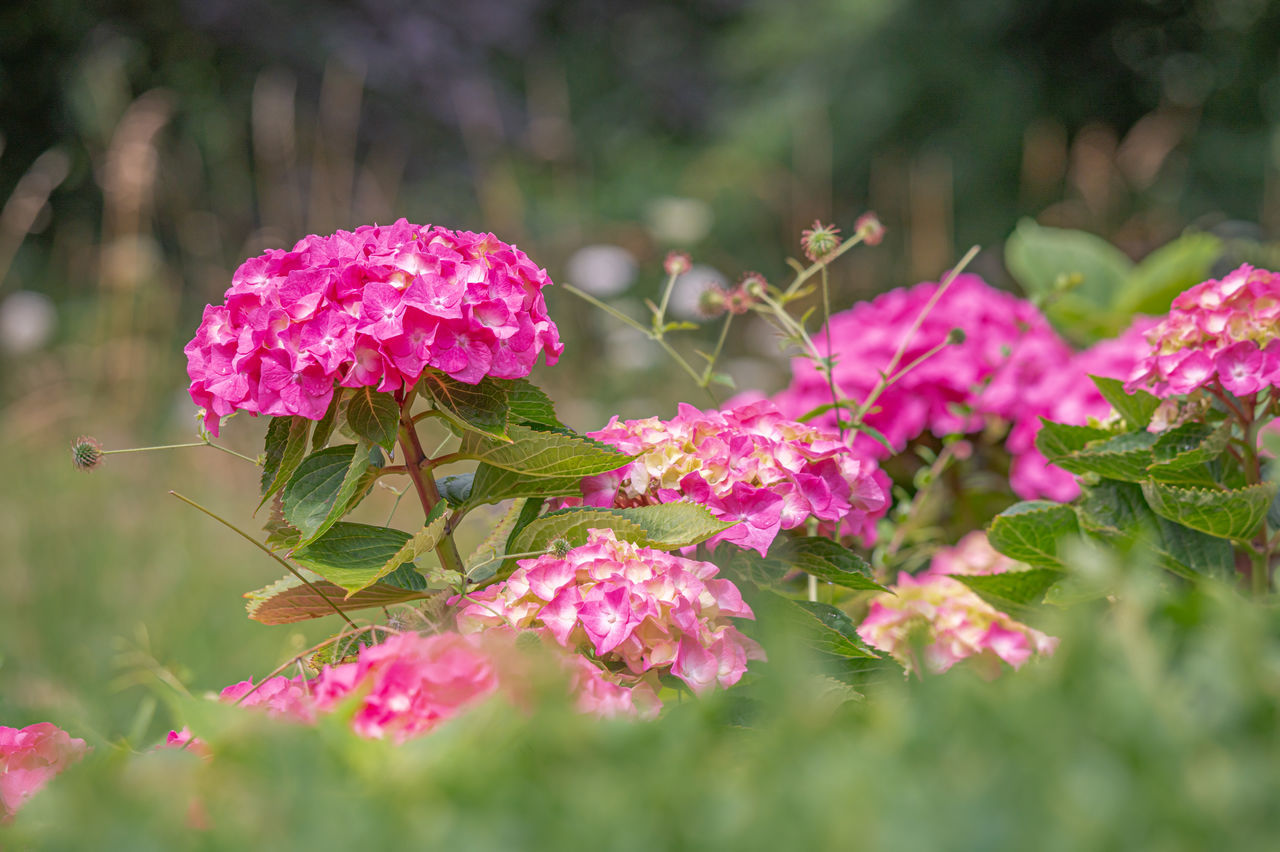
<point x="1182" y="493"/>
<point x="521" y="453"/>
<point x="1089" y="289"/>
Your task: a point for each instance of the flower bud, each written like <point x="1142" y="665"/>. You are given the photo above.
<point x="677" y="263"/>
<point x="820" y="241"/>
<point x="739" y="301"/>
<point x="754" y="285"/>
<point x="86" y="453"/>
<point x="561" y="547"/>
<point x="870" y="228"/>
<point x="713" y="301"/>
<point x="955" y="336"/>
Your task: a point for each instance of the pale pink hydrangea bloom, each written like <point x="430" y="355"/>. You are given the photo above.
<point x="371" y="307"/>
<point x="29" y="758"/>
<point x="644" y="608"/>
<point x="948" y="620"/>
<point x="747" y="464"/>
<point x="1011" y="367"/>
<point x="1218" y="333"/>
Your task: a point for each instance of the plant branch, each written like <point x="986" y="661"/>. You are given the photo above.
<point x="425" y="484"/>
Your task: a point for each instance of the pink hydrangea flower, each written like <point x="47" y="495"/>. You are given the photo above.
<point x="641" y="608"/>
<point x="746" y="464"/>
<point x="410" y="683"/>
<point x="29" y="758"/>
<point x="1220" y="334"/>
<point x="372" y="307"/>
<point x="948" y="620"/>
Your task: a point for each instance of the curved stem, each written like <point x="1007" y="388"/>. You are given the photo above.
<point x="294" y="571"/>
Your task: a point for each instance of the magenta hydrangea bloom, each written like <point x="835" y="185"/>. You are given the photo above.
<point x="649" y="610"/>
<point x="29" y="758"/>
<point x="747" y="464"/>
<point x="374" y="307"/>
<point x="946" y="618"/>
<point x="1217" y="334"/>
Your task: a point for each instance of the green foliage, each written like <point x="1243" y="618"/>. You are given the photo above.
<point x="330" y="421"/>
<point x="1090" y="289"/>
<point x="1012" y="591"/>
<point x="529" y="404"/>
<point x="1056" y="440"/>
<point x="320" y="490"/>
<point x="666" y="526"/>
<point x="355" y="556"/>
<point x="1136" y="408"/>
<point x="1236" y="514"/>
<point x="549" y="454"/>
<point x="478" y="408"/>
<point x="373" y="417"/>
<point x="1126" y="457"/>
<point x="1032" y="531"/>
<point x="823" y="558"/>
<point x="286" y="446"/>
<point x="495" y="484"/>
<point x="289" y="600"/>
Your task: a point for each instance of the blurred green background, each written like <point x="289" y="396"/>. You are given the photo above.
<point x="146" y="148"/>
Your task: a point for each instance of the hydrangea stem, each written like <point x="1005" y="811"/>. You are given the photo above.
<point x="425" y="484"/>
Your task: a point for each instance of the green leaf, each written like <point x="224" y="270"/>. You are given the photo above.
<point x="1055" y="440"/>
<point x="320" y="490"/>
<point x="374" y="417"/>
<point x="419" y="544"/>
<point x="1184" y="455"/>
<point x="1236" y="514"/>
<point x="280" y="533"/>
<point x="1136" y="408"/>
<point x="1118" y="513"/>
<point x="324" y="429"/>
<point x="1124" y="457"/>
<point x="286" y="446"/>
<point x="354" y="555"/>
<point x="1041" y="257"/>
<point x="493" y="485"/>
<point x="821" y="626"/>
<point x="406" y="577"/>
<point x="666" y="526"/>
<point x="289" y="600"/>
<point x="527" y="403"/>
<point x="537" y="453"/>
<point x="493" y="549"/>
<point x="478" y="408"/>
<point x="1032" y="531"/>
<point x="825" y="559"/>
<point x="1012" y="590"/>
<point x="1165" y="273"/>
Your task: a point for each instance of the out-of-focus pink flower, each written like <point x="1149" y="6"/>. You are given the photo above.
<point x="936" y="613"/>
<point x="747" y="464"/>
<point x="372" y="307"/>
<point x="29" y="758"/>
<point x="1220" y="333"/>
<point x="643" y="608"/>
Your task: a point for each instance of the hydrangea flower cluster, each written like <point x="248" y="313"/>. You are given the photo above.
<point x="643" y="608"/>
<point x="951" y="623"/>
<point x="29" y="758"/>
<point x="373" y="307"/>
<point x="747" y="464"/>
<point x="1218" y="332"/>
<point x="1011" y="366"/>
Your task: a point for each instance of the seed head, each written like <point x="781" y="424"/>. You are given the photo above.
<point x="713" y="301"/>
<point x="561" y="547"/>
<point x="754" y="285"/>
<point x="870" y="228"/>
<point x="677" y="263"/>
<point x="86" y="453"/>
<point x="819" y="241"/>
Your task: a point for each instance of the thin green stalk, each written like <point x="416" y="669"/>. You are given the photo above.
<point x="813" y="268"/>
<point x="660" y="319"/>
<point x="226" y="450"/>
<point x="828" y="364"/>
<point x="266" y="550"/>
